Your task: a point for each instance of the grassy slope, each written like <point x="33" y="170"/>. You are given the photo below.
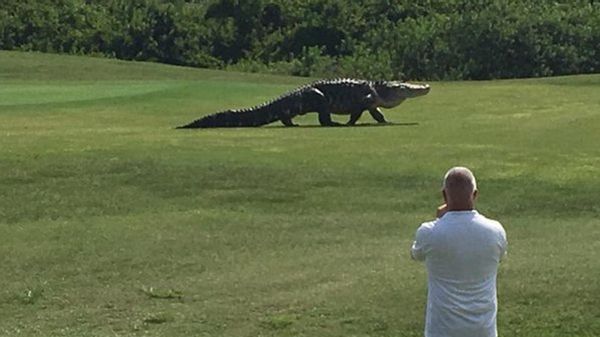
<point x="112" y="223"/>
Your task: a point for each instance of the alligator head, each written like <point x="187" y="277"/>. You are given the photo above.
<point x="392" y="93"/>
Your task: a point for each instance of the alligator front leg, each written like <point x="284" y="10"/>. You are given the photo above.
<point x="377" y="115"/>
<point x="354" y="117"/>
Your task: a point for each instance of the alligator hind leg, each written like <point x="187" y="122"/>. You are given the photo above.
<point x="325" y="119"/>
<point x="377" y="115"/>
<point x="325" y="116"/>
<point x="316" y="101"/>
<point x="288" y="122"/>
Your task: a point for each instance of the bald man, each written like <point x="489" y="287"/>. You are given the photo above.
<point x="461" y="250"/>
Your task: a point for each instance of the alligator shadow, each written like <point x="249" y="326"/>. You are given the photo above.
<point x="314" y="126"/>
<point x="344" y="126"/>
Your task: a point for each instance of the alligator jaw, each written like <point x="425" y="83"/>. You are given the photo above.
<point x="414" y="90"/>
<point x="393" y="93"/>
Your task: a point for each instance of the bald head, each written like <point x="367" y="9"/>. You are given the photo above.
<point x="460" y="188"/>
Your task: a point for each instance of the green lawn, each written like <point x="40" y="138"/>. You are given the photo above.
<point x="112" y="223"/>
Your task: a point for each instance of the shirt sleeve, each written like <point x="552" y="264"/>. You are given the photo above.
<point x="503" y="242"/>
<point x="420" y="246"/>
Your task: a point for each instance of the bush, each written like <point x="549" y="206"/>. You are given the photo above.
<point x="383" y="39"/>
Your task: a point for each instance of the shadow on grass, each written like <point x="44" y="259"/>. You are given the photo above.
<point x="311" y="126"/>
<point x="363" y="125"/>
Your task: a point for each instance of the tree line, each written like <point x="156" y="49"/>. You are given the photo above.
<point x="383" y="39"/>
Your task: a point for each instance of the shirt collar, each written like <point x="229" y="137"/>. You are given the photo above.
<point x="461" y="212"/>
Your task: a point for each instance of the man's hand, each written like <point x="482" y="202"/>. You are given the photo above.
<point x="442" y="210"/>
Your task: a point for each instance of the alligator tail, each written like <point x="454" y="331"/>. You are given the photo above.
<point x="256" y="116"/>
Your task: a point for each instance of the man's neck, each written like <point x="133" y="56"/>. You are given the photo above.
<point x="459" y="208"/>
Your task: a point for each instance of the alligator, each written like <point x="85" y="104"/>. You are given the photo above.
<point x="325" y="97"/>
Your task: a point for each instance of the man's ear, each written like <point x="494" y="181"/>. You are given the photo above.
<point x="475" y="194"/>
<point x="445" y="196"/>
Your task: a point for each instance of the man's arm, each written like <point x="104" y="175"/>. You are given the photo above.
<point x="420" y="246"/>
<point x="441" y="211"/>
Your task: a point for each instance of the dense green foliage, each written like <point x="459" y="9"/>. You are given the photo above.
<point x="112" y="223"/>
<point x="456" y="39"/>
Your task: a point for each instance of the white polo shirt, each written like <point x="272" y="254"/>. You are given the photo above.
<point x="461" y="250"/>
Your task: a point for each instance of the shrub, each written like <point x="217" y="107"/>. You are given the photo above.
<point x="454" y="39"/>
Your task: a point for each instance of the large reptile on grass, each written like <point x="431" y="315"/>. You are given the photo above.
<point x="325" y="97"/>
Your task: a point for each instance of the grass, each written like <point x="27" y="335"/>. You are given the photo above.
<point x="114" y="224"/>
